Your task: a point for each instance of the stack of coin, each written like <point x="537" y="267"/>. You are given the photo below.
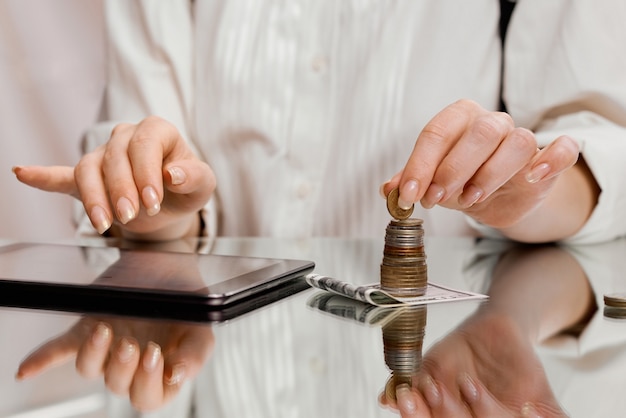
<point x="403" y="271"/>
<point x="615" y="305"/>
<point x="402" y="340"/>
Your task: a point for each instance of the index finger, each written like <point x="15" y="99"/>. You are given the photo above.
<point x="433" y="144"/>
<point x="51" y="354"/>
<point x="59" y="179"/>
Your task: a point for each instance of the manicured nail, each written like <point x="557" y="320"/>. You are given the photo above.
<point x="431" y="392"/>
<point x="125" y="350"/>
<point x="468" y="388"/>
<point x="529" y="411"/>
<point x="408" y="193"/>
<point x="537" y="173"/>
<point x="381" y="190"/>
<point x="405" y="401"/>
<point x="99" y="219"/>
<point x="177" y="174"/>
<point x="150" y="200"/>
<point x="177" y="376"/>
<point x="438" y="193"/>
<point x="125" y="210"/>
<point x="470" y="195"/>
<point x="22" y="374"/>
<point x="101" y="335"/>
<point x="433" y="195"/>
<point x="151" y="357"/>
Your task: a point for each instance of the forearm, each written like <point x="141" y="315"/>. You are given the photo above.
<point x="563" y="212"/>
<point x="541" y="289"/>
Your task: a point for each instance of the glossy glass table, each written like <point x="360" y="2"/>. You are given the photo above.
<point x="543" y="335"/>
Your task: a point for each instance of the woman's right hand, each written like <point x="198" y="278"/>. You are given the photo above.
<point x="145" y="181"/>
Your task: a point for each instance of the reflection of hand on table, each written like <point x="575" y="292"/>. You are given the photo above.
<point x="487" y="366"/>
<point x="146" y="360"/>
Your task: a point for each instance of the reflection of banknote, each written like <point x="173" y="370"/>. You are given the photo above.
<point x="352" y="309"/>
<point x="373" y="295"/>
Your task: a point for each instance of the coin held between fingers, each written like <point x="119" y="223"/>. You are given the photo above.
<point x="394" y="209"/>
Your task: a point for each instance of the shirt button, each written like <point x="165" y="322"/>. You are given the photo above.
<point x="304" y="190"/>
<point x="317" y="365"/>
<point x="319" y="64"/>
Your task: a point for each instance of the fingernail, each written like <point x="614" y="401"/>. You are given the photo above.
<point x="177" y="174"/>
<point x="470" y="195"/>
<point x="537" y="173"/>
<point x="177" y="376"/>
<point x="125" y="210"/>
<point x="431" y="392"/>
<point x="101" y="335"/>
<point x="408" y="193"/>
<point x="16" y="169"/>
<point x="125" y="350"/>
<point x="381" y="190"/>
<point x="438" y="193"/>
<point x="99" y="219"/>
<point x="151" y="357"/>
<point x="22" y="374"/>
<point x="468" y="388"/>
<point x="529" y="411"/>
<point x="433" y="195"/>
<point x="406" y="403"/>
<point x="150" y="200"/>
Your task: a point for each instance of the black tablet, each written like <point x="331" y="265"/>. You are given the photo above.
<point x="57" y="276"/>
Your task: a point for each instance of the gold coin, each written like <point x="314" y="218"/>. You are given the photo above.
<point x="393" y="382"/>
<point x="392" y="206"/>
<point x="615" y="300"/>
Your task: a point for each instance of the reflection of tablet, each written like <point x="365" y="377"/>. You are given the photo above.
<point x="66" y="274"/>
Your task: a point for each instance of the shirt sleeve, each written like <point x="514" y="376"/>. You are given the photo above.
<point x="567" y="78"/>
<point x="149" y="72"/>
<point x="150" y="61"/>
<point x="603" y="146"/>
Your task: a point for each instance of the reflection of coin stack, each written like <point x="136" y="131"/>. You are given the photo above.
<point x="615" y="305"/>
<point x="403" y="271"/>
<point x="402" y="339"/>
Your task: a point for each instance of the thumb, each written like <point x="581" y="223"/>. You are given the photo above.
<point x="59" y="179"/>
<point x="191" y="352"/>
<point x="190" y="177"/>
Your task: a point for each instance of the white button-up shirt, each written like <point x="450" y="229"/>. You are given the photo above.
<point x="304" y="108"/>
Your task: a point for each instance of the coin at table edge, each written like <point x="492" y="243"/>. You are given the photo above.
<point x="392" y="206"/>
<point x="617" y="300"/>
